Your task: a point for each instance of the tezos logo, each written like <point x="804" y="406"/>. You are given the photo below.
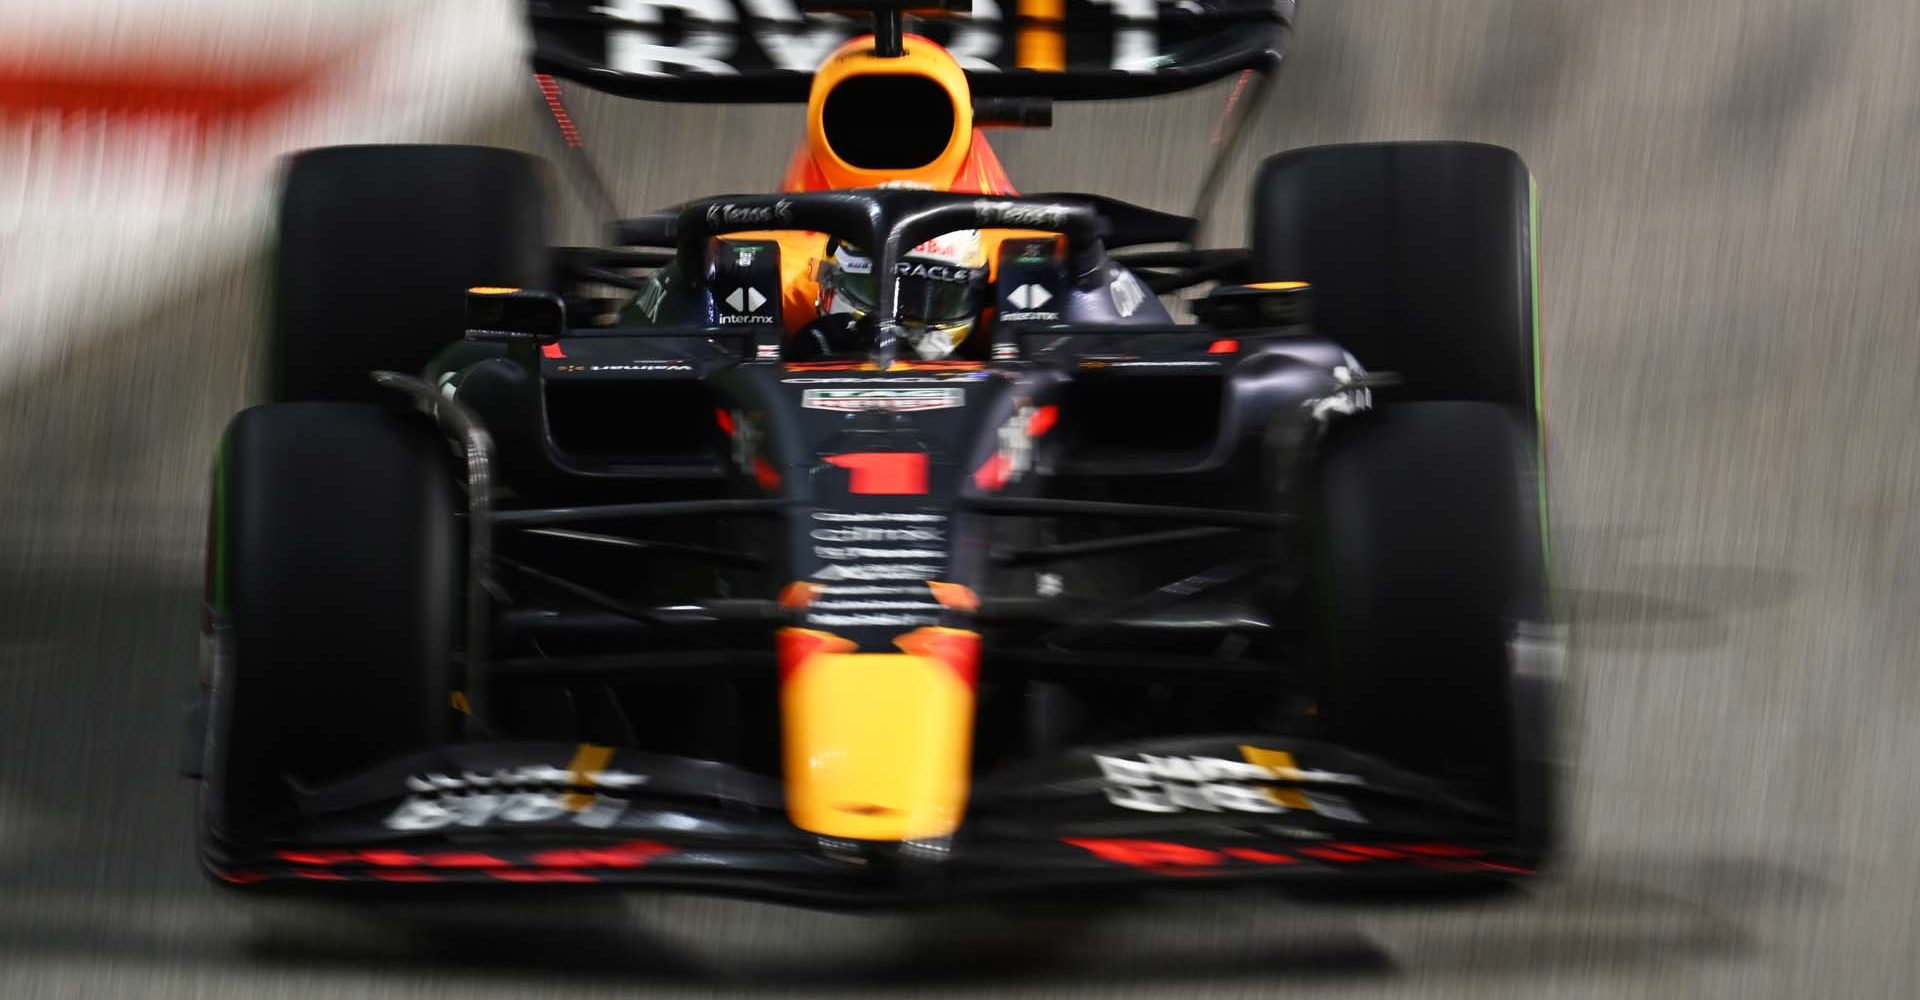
<point x="1000" y="213"/>
<point x="727" y="214"/>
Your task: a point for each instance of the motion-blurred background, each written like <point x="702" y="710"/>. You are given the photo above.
<point x="1731" y="280"/>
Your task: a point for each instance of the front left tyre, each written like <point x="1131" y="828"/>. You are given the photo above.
<point x="335" y="578"/>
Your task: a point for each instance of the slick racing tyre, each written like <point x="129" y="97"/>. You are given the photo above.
<point x="1430" y="568"/>
<point x="335" y="579"/>
<point x="377" y="246"/>
<point x="1421" y="259"/>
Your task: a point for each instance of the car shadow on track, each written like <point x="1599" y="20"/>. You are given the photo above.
<point x="1680" y="607"/>
<point x="778" y="950"/>
<point x="1614" y="913"/>
<point x="1653" y="911"/>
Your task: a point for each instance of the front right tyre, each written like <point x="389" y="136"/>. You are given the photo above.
<point x="1431" y="585"/>
<point x="1433" y="618"/>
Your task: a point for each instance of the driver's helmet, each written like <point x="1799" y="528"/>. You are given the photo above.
<point x="943" y="289"/>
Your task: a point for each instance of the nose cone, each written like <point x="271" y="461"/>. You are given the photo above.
<point x="877" y="745"/>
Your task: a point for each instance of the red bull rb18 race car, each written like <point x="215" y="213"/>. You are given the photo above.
<point x="888" y="538"/>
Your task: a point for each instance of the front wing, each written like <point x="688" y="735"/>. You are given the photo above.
<point x="1214" y="809"/>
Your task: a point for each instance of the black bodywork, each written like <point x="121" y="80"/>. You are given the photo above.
<point x="1124" y="496"/>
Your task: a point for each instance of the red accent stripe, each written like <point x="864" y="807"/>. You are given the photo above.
<point x="884" y="473"/>
<point x="992" y="474"/>
<point x="408" y="876"/>
<point x="632" y="854"/>
<point x="725" y="420"/>
<point x="1258" y="856"/>
<point x="550" y="91"/>
<point x="1042" y="421"/>
<point x="1329" y="854"/>
<point x="466" y="859"/>
<point x="958" y="651"/>
<point x="1153" y="855"/>
<point x="766" y="475"/>
<point x="992" y="175"/>
<point x="551" y="351"/>
<point x="1223" y="347"/>
<point x="528" y="875"/>
<point x="1368" y="850"/>
<point x="392" y="859"/>
<point x="1510" y="869"/>
<point x="1226" y="113"/>
<point x="795" y="645"/>
<point x="1442" y="850"/>
<point x="321" y="858"/>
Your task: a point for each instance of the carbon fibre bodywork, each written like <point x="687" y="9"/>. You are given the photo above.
<point x="1090" y="538"/>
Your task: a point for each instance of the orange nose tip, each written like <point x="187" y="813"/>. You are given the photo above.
<point x="877" y="745"/>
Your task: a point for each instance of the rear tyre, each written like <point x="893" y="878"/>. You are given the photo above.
<point x="1421" y="258"/>
<point x="1430" y="562"/>
<point x="335" y="564"/>
<point x="377" y="247"/>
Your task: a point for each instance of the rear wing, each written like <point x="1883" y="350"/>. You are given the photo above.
<point x="765" y="51"/>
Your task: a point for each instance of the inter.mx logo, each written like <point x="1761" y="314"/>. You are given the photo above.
<point x="895" y="400"/>
<point x="746" y="303"/>
<point x="746" y="300"/>
<point x="1029" y="296"/>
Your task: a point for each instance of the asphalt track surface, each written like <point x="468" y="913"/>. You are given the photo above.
<point x="1731" y="251"/>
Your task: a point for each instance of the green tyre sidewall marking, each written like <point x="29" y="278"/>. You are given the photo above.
<point x="220" y="541"/>
<point x="1539" y="388"/>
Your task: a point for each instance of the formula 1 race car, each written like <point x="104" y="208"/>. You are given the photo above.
<point x="885" y="538"/>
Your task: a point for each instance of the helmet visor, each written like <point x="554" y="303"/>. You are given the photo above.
<point x="932" y="294"/>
